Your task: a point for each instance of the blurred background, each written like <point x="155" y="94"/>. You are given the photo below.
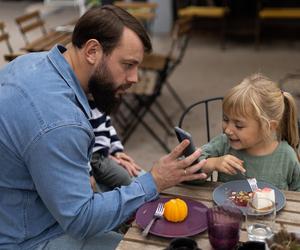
<point x="227" y="41"/>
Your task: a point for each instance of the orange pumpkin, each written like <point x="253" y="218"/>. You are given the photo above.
<point x="176" y="210"/>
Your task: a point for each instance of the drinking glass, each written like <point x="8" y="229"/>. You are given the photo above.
<point x="224" y="224"/>
<point x="260" y="222"/>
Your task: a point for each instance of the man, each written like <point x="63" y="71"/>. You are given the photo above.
<point x="46" y="201"/>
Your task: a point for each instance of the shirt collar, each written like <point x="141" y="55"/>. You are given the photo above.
<point x="56" y="57"/>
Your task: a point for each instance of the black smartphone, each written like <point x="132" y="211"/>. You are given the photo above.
<point x="181" y="135"/>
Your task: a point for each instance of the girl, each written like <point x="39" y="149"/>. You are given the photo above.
<point x="260" y="136"/>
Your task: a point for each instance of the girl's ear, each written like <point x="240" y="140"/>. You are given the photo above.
<point x="273" y="125"/>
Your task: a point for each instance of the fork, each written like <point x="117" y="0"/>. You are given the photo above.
<point x="252" y="182"/>
<point x="157" y="215"/>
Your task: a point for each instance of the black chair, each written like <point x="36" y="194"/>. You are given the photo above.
<point x="291" y="83"/>
<point x="205" y="114"/>
<point x="143" y="98"/>
<point x="206" y="10"/>
<point x="203" y="120"/>
<point x="284" y="14"/>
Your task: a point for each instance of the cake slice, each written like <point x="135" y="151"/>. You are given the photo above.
<point x="263" y="193"/>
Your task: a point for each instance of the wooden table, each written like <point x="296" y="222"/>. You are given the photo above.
<point x="133" y="239"/>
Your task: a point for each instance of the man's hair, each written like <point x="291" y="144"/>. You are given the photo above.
<point x="106" y="25"/>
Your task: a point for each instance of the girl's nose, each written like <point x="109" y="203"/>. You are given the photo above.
<point x="228" y="131"/>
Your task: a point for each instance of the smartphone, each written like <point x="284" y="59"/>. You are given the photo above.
<point x="181" y="135"/>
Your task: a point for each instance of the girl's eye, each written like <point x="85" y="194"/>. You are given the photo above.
<point x="225" y="119"/>
<point x="239" y="126"/>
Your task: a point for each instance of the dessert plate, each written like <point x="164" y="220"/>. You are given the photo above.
<point x="194" y="223"/>
<point x="221" y="193"/>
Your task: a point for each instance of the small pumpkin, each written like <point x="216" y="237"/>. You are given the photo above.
<point x="176" y="210"/>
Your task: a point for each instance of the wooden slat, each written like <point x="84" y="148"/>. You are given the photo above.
<point x="32" y="26"/>
<point x="280" y="13"/>
<point x="135" y="5"/>
<point x="205" y="11"/>
<point x="48" y="41"/>
<point x="27" y="16"/>
<point x="4" y="37"/>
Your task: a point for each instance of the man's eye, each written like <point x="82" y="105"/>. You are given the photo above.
<point x="128" y="65"/>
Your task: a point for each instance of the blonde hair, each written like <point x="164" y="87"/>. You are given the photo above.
<point x="258" y="97"/>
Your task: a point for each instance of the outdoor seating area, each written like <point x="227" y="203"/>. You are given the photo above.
<point x="201" y="50"/>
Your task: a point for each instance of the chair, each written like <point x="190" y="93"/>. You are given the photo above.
<point x="36" y="37"/>
<point x="291" y="83"/>
<point x="4" y="37"/>
<point x="205" y="115"/>
<point x="155" y="71"/>
<point x="143" y="11"/>
<point x="205" y="9"/>
<point x="203" y="119"/>
<point x="30" y="22"/>
<point x="275" y="11"/>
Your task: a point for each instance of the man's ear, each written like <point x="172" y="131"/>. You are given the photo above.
<point x="92" y="51"/>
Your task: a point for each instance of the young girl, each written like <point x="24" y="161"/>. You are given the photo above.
<point x="260" y="136"/>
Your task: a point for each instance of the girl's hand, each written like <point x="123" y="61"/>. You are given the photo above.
<point x="128" y="163"/>
<point x="227" y="164"/>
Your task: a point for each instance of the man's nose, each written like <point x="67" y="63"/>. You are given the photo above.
<point x="132" y="76"/>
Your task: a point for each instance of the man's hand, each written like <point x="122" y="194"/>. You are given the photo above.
<point x="128" y="163"/>
<point x="170" y="170"/>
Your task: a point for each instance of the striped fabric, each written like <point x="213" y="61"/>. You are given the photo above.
<point x="106" y="139"/>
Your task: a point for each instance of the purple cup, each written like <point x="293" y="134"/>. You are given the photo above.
<point x="224" y="224"/>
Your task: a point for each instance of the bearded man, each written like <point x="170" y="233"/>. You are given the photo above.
<point x="46" y="140"/>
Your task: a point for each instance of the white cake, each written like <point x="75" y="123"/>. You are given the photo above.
<point x="263" y="193"/>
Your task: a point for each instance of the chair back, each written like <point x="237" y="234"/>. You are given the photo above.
<point x="30" y="22"/>
<point x="4" y="37"/>
<point x="204" y="115"/>
<point x="145" y="12"/>
<point x="180" y="40"/>
<point x="290" y="83"/>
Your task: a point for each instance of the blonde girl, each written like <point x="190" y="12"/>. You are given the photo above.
<point x="260" y="136"/>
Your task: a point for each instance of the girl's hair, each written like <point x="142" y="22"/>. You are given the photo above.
<point x="258" y="97"/>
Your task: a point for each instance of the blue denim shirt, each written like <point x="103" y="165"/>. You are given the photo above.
<point x="45" y="146"/>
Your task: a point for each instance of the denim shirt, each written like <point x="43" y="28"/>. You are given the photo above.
<point x="45" y="145"/>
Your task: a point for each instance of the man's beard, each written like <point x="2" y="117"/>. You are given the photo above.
<point x="103" y="90"/>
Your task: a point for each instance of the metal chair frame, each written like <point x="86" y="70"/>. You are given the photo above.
<point x="206" y="104"/>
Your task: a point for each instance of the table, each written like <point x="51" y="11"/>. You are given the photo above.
<point x="289" y="216"/>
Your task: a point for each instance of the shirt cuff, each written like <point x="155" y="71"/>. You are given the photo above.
<point x="148" y="184"/>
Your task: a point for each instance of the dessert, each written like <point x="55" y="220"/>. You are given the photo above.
<point x="240" y="198"/>
<point x="259" y="203"/>
<point x="176" y="210"/>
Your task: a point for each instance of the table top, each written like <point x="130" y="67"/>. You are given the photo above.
<point x="289" y="216"/>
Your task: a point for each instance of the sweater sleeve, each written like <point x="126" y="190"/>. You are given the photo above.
<point x="216" y="147"/>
